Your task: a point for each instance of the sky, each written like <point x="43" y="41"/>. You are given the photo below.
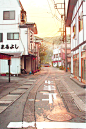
<point x="46" y="17"/>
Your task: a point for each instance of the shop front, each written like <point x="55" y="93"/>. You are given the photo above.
<point x="83" y="70"/>
<point x="76" y="66"/>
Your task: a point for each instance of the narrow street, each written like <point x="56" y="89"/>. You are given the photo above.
<point x="47" y="99"/>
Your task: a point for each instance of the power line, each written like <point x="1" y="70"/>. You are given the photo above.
<point x="52" y="13"/>
<point x="50" y="38"/>
<point x="40" y="17"/>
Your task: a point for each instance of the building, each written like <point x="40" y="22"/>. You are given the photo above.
<point x="68" y="55"/>
<point x="16" y="37"/>
<point x="59" y="56"/>
<point x="76" y="19"/>
<point x="38" y="41"/>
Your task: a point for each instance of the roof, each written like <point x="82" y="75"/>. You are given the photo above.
<point x="30" y="25"/>
<point x="71" y="6"/>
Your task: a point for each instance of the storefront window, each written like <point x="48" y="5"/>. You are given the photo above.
<point x="76" y="65"/>
<point x="84" y="67"/>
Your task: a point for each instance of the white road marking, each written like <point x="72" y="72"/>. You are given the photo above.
<point x="49" y="82"/>
<point x="49" y="87"/>
<point x="51" y="96"/>
<point x="31" y="99"/>
<point x="42" y="125"/>
<point x="45" y="81"/>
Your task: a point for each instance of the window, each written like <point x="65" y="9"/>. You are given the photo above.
<point x="1" y="37"/>
<point x="9" y="15"/>
<point x="83" y="67"/>
<point x="80" y="24"/>
<point x="74" y="30"/>
<point x="76" y="65"/>
<point x="12" y="36"/>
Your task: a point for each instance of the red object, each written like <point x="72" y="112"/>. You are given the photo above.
<point x="5" y="56"/>
<point x="34" y="58"/>
<point x="3" y="74"/>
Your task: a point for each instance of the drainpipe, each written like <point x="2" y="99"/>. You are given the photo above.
<point x="9" y="61"/>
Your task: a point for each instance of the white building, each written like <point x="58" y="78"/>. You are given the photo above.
<point x="16" y="37"/>
<point x="57" y="57"/>
<point x="76" y="19"/>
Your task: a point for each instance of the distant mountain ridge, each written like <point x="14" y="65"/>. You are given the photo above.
<point x="56" y="40"/>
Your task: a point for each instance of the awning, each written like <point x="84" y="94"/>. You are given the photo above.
<point x="5" y="56"/>
<point x="56" y="61"/>
<point x="77" y="47"/>
<point x="15" y="55"/>
<point x="32" y="26"/>
<point x="31" y="54"/>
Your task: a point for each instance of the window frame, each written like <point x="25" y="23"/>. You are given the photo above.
<point x="13" y="36"/>
<point x="80" y="24"/>
<point x="2" y="37"/>
<point x="74" y="31"/>
<point x="9" y="15"/>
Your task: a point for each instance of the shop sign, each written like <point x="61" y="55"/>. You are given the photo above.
<point x="12" y="46"/>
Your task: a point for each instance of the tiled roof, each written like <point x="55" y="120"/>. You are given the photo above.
<point x="71" y="6"/>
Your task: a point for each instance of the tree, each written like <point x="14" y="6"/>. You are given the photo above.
<point x="42" y="52"/>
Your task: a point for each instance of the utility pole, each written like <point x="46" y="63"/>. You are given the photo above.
<point x="65" y="39"/>
<point x="63" y="30"/>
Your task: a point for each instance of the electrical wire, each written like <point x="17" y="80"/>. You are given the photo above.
<point x="50" y="32"/>
<point x="52" y="13"/>
<point x="50" y="38"/>
<point x="40" y="17"/>
<point x="57" y="8"/>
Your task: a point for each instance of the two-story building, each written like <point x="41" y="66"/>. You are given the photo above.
<point x="76" y="19"/>
<point x="16" y="37"/>
<point x="59" y="56"/>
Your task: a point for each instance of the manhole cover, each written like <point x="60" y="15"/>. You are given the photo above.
<point x="59" y="117"/>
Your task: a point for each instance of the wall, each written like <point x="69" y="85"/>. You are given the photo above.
<point x="14" y="67"/>
<point x="10" y="26"/>
<point x="24" y="40"/>
<point x="6" y="5"/>
<point x="80" y="36"/>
